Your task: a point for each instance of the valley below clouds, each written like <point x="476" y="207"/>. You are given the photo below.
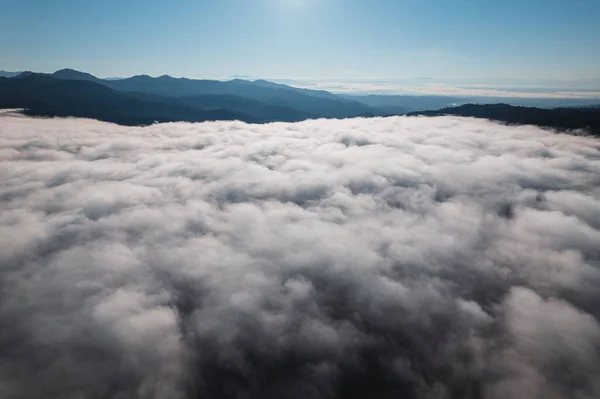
<point x="392" y="257"/>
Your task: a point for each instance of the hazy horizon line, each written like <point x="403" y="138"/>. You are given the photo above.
<point x="501" y="87"/>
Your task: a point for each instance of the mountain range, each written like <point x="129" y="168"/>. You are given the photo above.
<point x="143" y="100"/>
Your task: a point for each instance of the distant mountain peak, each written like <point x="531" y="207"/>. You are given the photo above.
<point x="7" y="74"/>
<point x="25" y="74"/>
<point x="141" y="77"/>
<point x="266" y="82"/>
<point x="67" y="70"/>
<point x="72" y="74"/>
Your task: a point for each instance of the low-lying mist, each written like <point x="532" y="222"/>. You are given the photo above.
<point x="361" y="258"/>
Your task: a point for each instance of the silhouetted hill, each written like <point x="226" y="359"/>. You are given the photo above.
<point x="25" y="74"/>
<point x="6" y="74"/>
<point x="259" y="100"/>
<point x="142" y="99"/>
<point x="166" y="86"/>
<point x="260" y="111"/>
<point x="560" y="118"/>
<point x="310" y="92"/>
<point x="315" y="104"/>
<point x="44" y="95"/>
<point x="71" y="74"/>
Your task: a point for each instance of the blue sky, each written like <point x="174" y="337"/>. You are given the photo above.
<point x="342" y="39"/>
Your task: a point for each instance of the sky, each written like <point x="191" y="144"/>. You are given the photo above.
<point x="302" y="39"/>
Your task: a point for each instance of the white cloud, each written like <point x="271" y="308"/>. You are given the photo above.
<point x="425" y="87"/>
<point x="414" y="257"/>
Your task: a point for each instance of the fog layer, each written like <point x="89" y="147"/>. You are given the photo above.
<point x="362" y="258"/>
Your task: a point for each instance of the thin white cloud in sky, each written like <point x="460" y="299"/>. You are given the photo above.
<point x="448" y="89"/>
<point x="387" y="257"/>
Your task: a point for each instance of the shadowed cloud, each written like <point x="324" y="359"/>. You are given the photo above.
<point x="389" y="257"/>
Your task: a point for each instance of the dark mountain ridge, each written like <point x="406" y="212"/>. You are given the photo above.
<point x="71" y="74"/>
<point x="261" y="111"/>
<point x="587" y="118"/>
<point x="306" y="102"/>
<point x="143" y="99"/>
<point x="316" y="105"/>
<point x="43" y="95"/>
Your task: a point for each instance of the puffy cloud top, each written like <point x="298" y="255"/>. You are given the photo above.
<point x="362" y="258"/>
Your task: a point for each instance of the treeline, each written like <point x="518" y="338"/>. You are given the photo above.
<point x="587" y="118"/>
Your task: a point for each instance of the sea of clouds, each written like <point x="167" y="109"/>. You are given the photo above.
<point x="362" y="258"/>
